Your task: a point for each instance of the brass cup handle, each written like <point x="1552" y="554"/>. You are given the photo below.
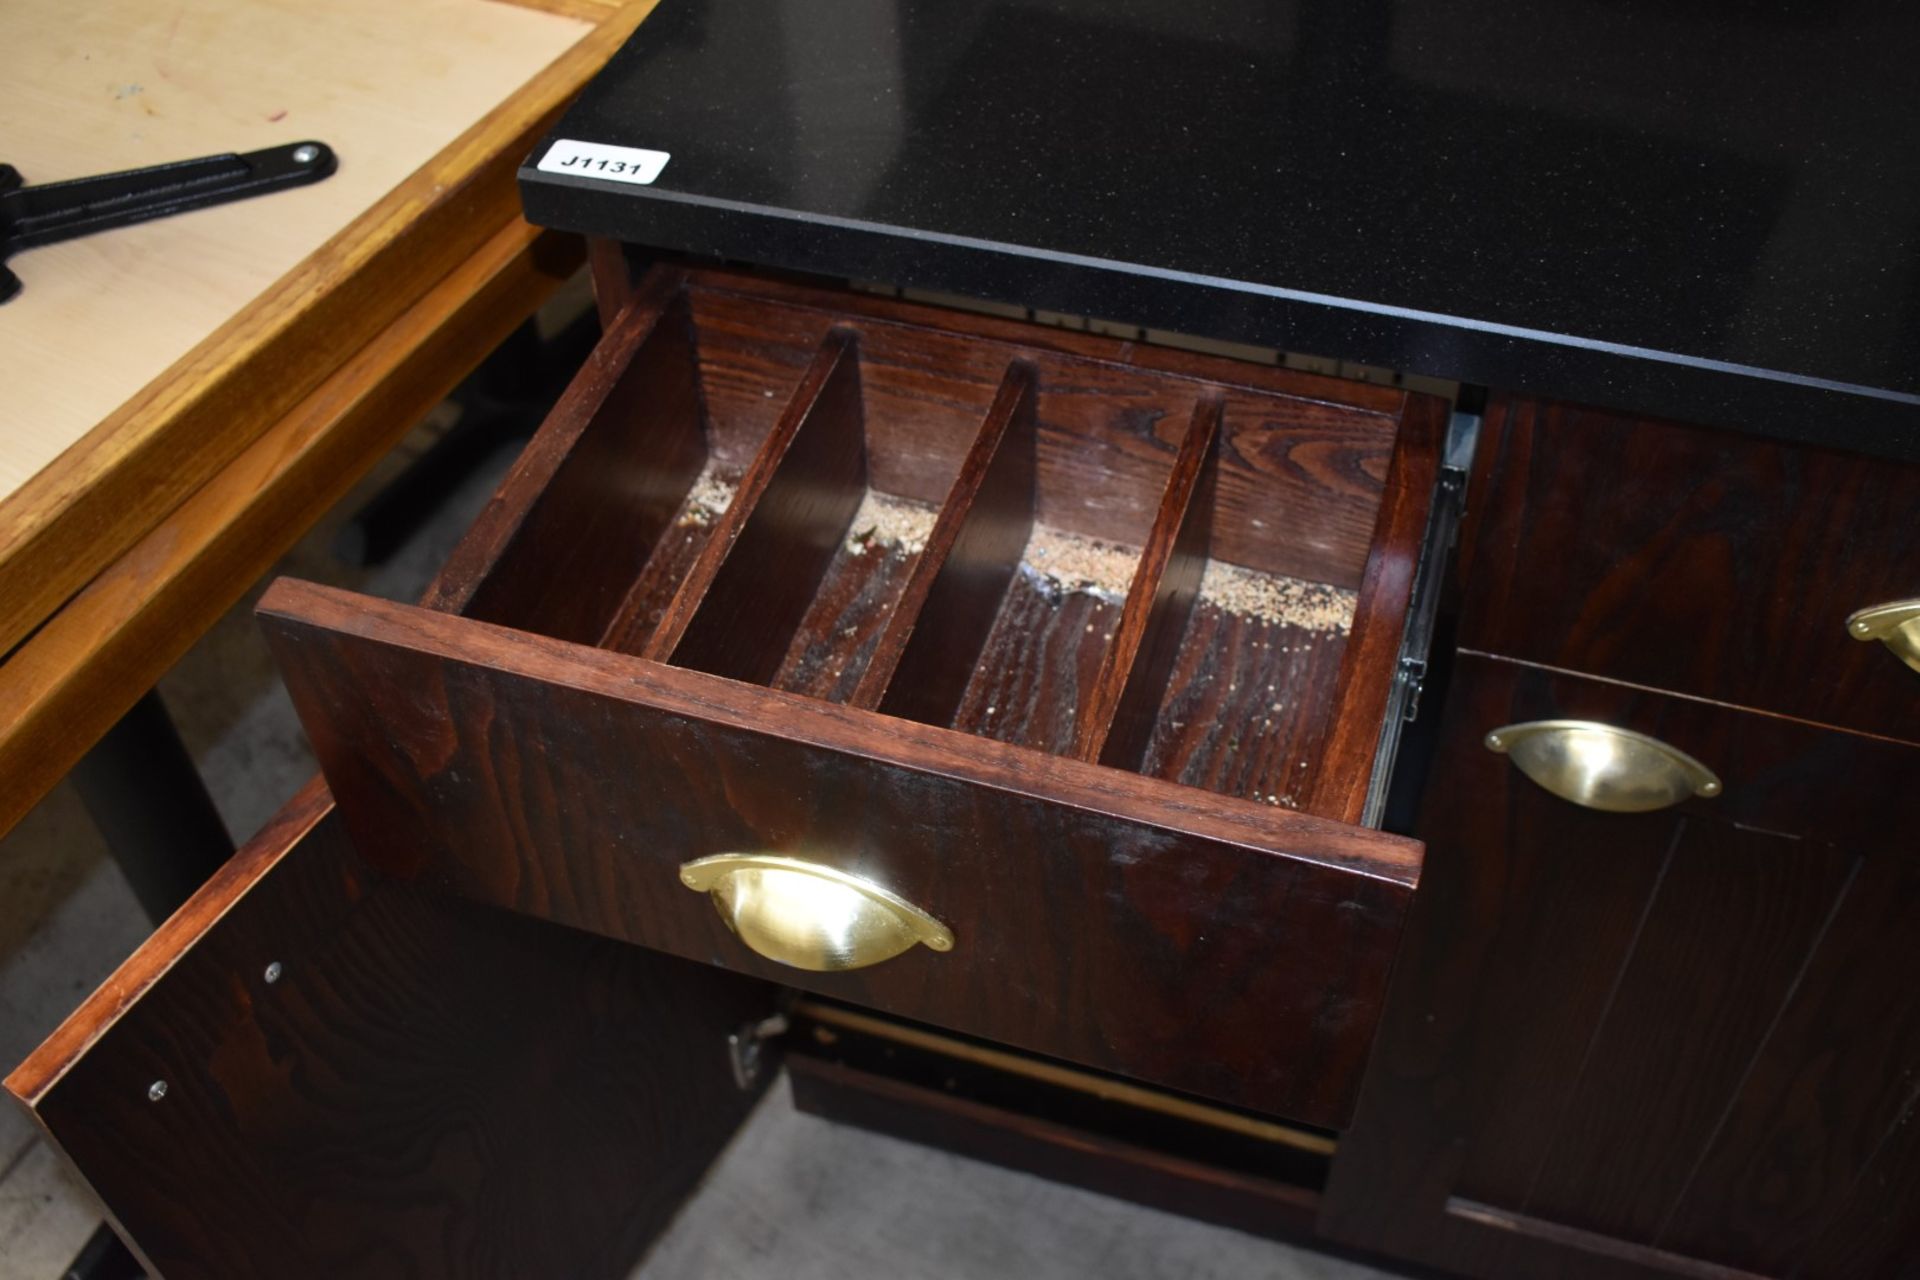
<point x="1602" y="767"/>
<point x="1895" y="624"/>
<point x="808" y="915"/>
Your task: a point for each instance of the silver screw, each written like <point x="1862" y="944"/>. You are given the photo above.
<point x="156" y="1091"/>
<point x="306" y="153"/>
<point x="273" y="972"/>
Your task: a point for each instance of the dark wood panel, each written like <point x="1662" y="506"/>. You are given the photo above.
<point x="1700" y="561"/>
<point x="1159" y="601"/>
<point x="1370" y="662"/>
<point x="1726" y="936"/>
<point x="1240" y="955"/>
<point x="1876" y="1230"/>
<point x="1831" y="1085"/>
<point x="922" y="664"/>
<point x="737" y="608"/>
<point x="596" y="487"/>
<point x="430" y="1088"/>
<point x="1596" y="999"/>
<point x="1040" y="660"/>
<point x="1301" y="477"/>
<point x="1649" y="1260"/>
<point x="1246" y="707"/>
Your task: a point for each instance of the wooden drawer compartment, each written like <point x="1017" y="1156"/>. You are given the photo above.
<point x="1695" y="560"/>
<point x="1084" y="650"/>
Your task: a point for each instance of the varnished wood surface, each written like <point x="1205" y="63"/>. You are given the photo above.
<point x="331" y="284"/>
<point x="430" y="1088"/>
<point x="1369" y="663"/>
<point x="1685" y="1033"/>
<point x="1159" y="599"/>
<point x="1700" y="561"/>
<point x="68" y="683"/>
<point x="605" y="485"/>
<point x="740" y="604"/>
<point x="961" y="633"/>
<point x="1216" y="947"/>
<point x="923" y="662"/>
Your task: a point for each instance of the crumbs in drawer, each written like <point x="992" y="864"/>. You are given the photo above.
<point x="890" y="523"/>
<point x="710" y="496"/>
<point x="1276" y="598"/>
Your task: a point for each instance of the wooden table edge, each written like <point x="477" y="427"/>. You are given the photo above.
<point x="88" y="663"/>
<point x="88" y="507"/>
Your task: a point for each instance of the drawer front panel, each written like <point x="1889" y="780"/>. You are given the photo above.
<point x="1124" y="923"/>
<point x="1694" y="560"/>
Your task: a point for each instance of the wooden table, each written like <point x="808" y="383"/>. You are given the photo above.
<point x="183" y="398"/>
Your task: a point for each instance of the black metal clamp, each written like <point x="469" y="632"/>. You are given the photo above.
<point x="55" y="211"/>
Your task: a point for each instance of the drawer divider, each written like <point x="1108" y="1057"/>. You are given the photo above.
<point x="1116" y="723"/>
<point x="595" y="488"/>
<point x="925" y="657"/>
<point x="759" y="569"/>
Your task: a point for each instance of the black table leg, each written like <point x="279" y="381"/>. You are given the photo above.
<point x="142" y="791"/>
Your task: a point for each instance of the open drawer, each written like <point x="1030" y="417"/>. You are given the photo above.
<point x="1035" y="681"/>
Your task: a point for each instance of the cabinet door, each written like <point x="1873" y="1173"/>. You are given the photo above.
<point x="310" y="1071"/>
<point x="1679" y="1042"/>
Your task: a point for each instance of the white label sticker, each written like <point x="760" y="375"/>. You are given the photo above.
<point x="597" y="160"/>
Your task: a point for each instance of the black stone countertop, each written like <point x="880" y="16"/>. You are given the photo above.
<point x="1707" y="209"/>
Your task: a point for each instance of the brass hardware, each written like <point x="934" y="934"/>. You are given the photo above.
<point x="1602" y="767"/>
<point x="1103" y="1087"/>
<point x="1895" y="624"/>
<point x="811" y="916"/>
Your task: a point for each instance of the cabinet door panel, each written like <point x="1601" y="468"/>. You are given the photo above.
<point x="425" y="1087"/>
<point x="1598" y="1021"/>
<point x="1823" y="1102"/>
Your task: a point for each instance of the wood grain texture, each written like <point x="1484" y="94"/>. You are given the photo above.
<point x="1041" y="657"/>
<point x="569" y="783"/>
<point x="89" y="506"/>
<point x="1700" y="561"/>
<point x="429" y="1089"/>
<point x="1824" y="1097"/>
<point x="1589" y="1006"/>
<point x="1159" y="600"/>
<point x="64" y="687"/>
<point x="831" y="386"/>
<point x="600" y="489"/>
<point x="1302" y="472"/>
<point x="1246" y="707"/>
<point x="1370" y="661"/>
<point x="922" y="663"/>
<point x="738" y="608"/>
<point x="1648" y="1100"/>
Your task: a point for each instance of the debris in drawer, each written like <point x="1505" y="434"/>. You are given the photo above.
<point x="1278" y="599"/>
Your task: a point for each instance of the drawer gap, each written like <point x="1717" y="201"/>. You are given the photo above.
<point x="1101" y="466"/>
<point x="602" y="489"/>
<point x="1118" y="721"/>
<point x="926" y="657"/>
<point x="761" y="567"/>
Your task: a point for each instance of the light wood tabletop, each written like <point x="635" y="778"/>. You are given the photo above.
<point x="180" y="399"/>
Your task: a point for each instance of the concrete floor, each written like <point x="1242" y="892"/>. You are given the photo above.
<point x="793" y="1197"/>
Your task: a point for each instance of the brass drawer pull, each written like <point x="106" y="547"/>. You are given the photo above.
<point x="1895" y="624"/>
<point x="1601" y="767"/>
<point x="811" y="916"/>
